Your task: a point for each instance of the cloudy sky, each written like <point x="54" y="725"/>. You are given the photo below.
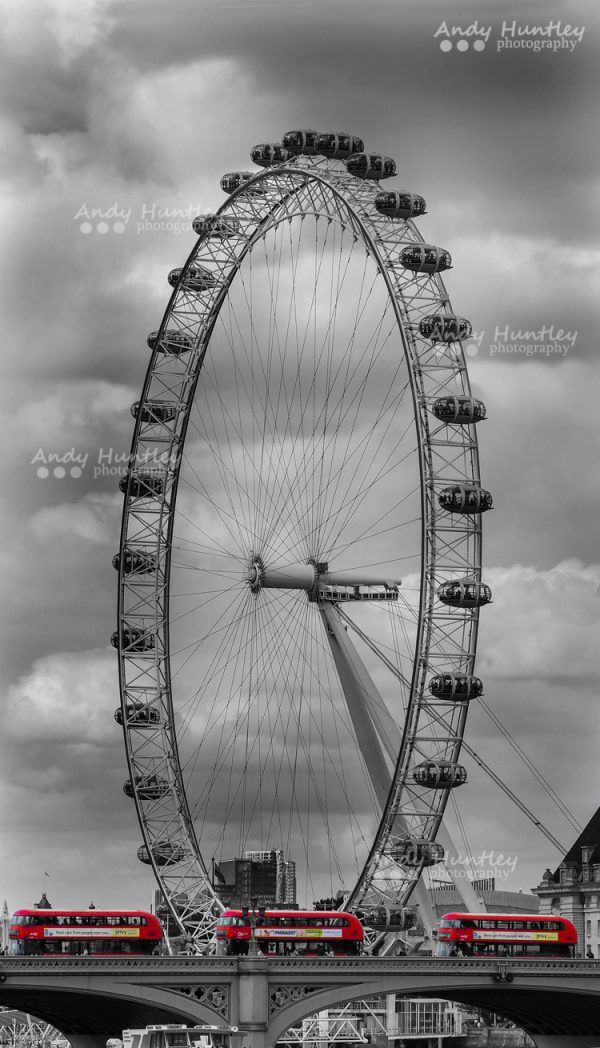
<point x="118" y="116"/>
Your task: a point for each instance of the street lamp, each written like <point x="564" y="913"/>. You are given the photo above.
<point x="255" y="913"/>
<point x="253" y="948"/>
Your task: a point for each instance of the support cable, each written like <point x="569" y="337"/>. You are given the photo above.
<point x="535" y="771"/>
<point x="478" y="760"/>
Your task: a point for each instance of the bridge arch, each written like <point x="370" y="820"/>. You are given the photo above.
<point x="554" y="1016"/>
<point x="88" y="1016"/>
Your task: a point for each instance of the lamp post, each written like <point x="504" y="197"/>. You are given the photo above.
<point x="254" y="913"/>
<point x="253" y="948"/>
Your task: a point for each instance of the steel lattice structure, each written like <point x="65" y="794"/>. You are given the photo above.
<point x="300" y="559"/>
<point x="18" y="1030"/>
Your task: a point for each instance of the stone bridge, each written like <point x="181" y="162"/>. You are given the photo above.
<point x="90" y="999"/>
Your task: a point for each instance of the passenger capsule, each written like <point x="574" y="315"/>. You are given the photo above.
<point x="425" y="258"/>
<point x="219" y="227"/>
<point x="163" y="852"/>
<point x="445" y="327"/>
<point x="462" y="593"/>
<point x="133" y="640"/>
<point x="175" y="342"/>
<point x="400" y="205"/>
<point x="300" y="142"/>
<point x="195" y="278"/>
<point x="269" y="154"/>
<point x="138" y="715"/>
<point x="455" y="687"/>
<point x="338" y="145"/>
<point x="141" y="485"/>
<point x="154" y="410"/>
<point x="134" y="561"/>
<point x="460" y="410"/>
<point x="465" y="498"/>
<point x="417" y="851"/>
<point x="398" y="918"/>
<point x="440" y="774"/>
<point x="147" y="787"/>
<point x="234" y="179"/>
<point x="371" y="165"/>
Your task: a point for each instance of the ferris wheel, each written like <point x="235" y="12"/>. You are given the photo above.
<point x="300" y="559"/>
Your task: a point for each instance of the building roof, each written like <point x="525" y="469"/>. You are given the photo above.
<point x="445" y="900"/>
<point x="588" y="838"/>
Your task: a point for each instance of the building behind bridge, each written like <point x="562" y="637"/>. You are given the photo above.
<point x="262" y="875"/>
<point x="573" y="889"/>
<point x="444" y="898"/>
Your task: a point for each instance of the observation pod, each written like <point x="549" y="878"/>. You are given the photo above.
<point x="381" y="918"/>
<point x="163" y="852"/>
<point x="400" y="205"/>
<point x="154" y="410"/>
<point x="195" y="278"/>
<point x="269" y="153"/>
<point x="465" y="498"/>
<point x="425" y="258"/>
<point x="216" y="226"/>
<point x="133" y="640"/>
<point x="461" y="410"/>
<point x="141" y="485"/>
<point x="175" y="342"/>
<point x="462" y="593"/>
<point x="371" y="165"/>
<point x="234" y="179"/>
<point x="455" y="687"/>
<point x="439" y="775"/>
<point x="134" y="561"/>
<point x="300" y="142"/>
<point x="445" y="327"/>
<point x="138" y="715"/>
<point x="414" y="851"/>
<point x="149" y="788"/>
<point x="338" y="145"/>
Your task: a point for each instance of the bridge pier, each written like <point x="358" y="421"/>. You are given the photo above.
<point x="250" y="1004"/>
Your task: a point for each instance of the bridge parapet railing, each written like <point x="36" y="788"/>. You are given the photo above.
<point x="232" y="965"/>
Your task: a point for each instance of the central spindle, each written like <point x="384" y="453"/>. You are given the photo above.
<point x="309" y="576"/>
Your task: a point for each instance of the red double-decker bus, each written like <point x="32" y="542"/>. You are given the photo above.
<point x="505" y="935"/>
<point x="76" y="933"/>
<point x="311" y="933"/>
